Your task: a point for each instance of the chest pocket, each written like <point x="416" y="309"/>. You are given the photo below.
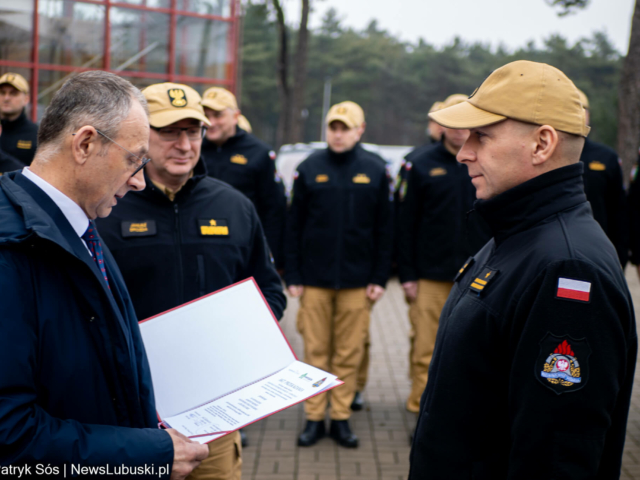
<point x="361" y="200"/>
<point x="138" y="228"/>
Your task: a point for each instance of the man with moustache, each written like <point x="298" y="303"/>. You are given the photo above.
<point x="186" y="235"/>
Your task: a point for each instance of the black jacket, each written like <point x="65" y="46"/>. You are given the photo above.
<point x="605" y="192"/>
<point x="75" y="382"/>
<point x="339" y="229"/>
<point x="246" y="163"/>
<point x="208" y="238"/>
<point x="19" y="138"/>
<point x="8" y="163"/>
<point x="531" y="377"/>
<point x="435" y="235"/>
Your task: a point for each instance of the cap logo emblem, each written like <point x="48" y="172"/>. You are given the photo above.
<point x="177" y="97"/>
<point x="341" y="110"/>
<point x="212" y="94"/>
<point x="11" y="78"/>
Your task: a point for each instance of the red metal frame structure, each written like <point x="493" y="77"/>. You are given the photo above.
<point x="170" y="75"/>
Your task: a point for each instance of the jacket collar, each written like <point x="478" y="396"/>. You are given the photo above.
<point x="10" y="125"/>
<point x="345" y="156"/>
<point x="231" y="141"/>
<point x="199" y="172"/>
<point x="529" y="203"/>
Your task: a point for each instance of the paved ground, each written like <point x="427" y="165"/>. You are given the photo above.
<point x="383" y="427"/>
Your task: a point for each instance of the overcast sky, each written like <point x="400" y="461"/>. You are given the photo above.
<point x="512" y="22"/>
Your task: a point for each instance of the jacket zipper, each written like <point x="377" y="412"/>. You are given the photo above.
<point x="178" y="244"/>
<point x="340" y="235"/>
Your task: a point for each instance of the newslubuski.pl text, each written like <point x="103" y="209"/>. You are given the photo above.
<point x="72" y="470"/>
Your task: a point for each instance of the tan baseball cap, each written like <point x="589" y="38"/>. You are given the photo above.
<point x="244" y="124"/>
<point x="583" y="99"/>
<point x="218" y="99"/>
<point x="436" y="106"/>
<point x="526" y="91"/>
<point x="348" y="113"/>
<point x="172" y="102"/>
<point x="15" y="80"/>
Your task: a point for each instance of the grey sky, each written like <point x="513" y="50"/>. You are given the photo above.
<point x="512" y="22"/>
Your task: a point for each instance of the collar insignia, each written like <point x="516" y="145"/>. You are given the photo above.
<point x="466" y="265"/>
<point x="482" y="280"/>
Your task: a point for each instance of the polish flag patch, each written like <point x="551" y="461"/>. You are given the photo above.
<point x="573" y="289"/>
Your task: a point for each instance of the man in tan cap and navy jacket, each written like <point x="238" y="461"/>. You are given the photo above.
<point x="533" y="365"/>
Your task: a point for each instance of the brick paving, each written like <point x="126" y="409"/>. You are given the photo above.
<point x="384" y="426"/>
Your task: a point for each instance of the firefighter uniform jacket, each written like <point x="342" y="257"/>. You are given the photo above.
<point x="208" y="238"/>
<point x="435" y="235"/>
<point x="605" y="192"/>
<point x="246" y="163"/>
<point x="339" y="229"/>
<point x="20" y="138"/>
<point x="535" y="354"/>
<point x="8" y="163"/>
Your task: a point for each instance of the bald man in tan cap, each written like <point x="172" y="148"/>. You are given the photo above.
<point x="533" y="365"/>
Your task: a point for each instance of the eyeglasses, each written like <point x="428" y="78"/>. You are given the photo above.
<point x="172" y="134"/>
<point x="143" y="160"/>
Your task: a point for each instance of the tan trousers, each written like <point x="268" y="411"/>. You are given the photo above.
<point x="334" y="325"/>
<point x="424" y="315"/>
<point x="224" y="461"/>
<point x="363" y="369"/>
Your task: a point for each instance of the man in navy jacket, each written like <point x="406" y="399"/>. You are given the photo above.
<point x="75" y="384"/>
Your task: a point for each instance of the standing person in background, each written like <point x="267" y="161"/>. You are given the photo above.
<point x="7" y="162"/>
<point x="338" y="255"/>
<point x="20" y="134"/>
<point x="435" y="237"/>
<point x="605" y="190"/>
<point x="187" y="235"/>
<point x="244" y="162"/>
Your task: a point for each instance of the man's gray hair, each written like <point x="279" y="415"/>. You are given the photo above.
<point x="100" y="99"/>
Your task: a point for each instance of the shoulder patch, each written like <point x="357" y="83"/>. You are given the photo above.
<point x="482" y="280"/>
<point x="597" y="166"/>
<point x="138" y="228"/>
<point x="466" y="265"/>
<point x="239" y="159"/>
<point x="209" y="227"/>
<point x="562" y="363"/>
<point x="437" y="172"/>
<point x="570" y="289"/>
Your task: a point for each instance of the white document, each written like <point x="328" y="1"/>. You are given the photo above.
<point x="222" y="362"/>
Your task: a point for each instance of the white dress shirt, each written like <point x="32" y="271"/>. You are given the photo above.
<point x="71" y="210"/>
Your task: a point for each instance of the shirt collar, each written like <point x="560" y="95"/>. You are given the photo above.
<point x="71" y="210"/>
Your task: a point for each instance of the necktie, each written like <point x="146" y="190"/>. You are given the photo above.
<point x="93" y="242"/>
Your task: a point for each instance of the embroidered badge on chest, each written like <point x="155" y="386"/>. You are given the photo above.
<point x="24" y="144"/>
<point x="597" y="166"/>
<point x="562" y="364"/>
<point x="361" y="178"/>
<point x="138" y="228"/>
<point x="239" y="159"/>
<point x="209" y="227"/>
